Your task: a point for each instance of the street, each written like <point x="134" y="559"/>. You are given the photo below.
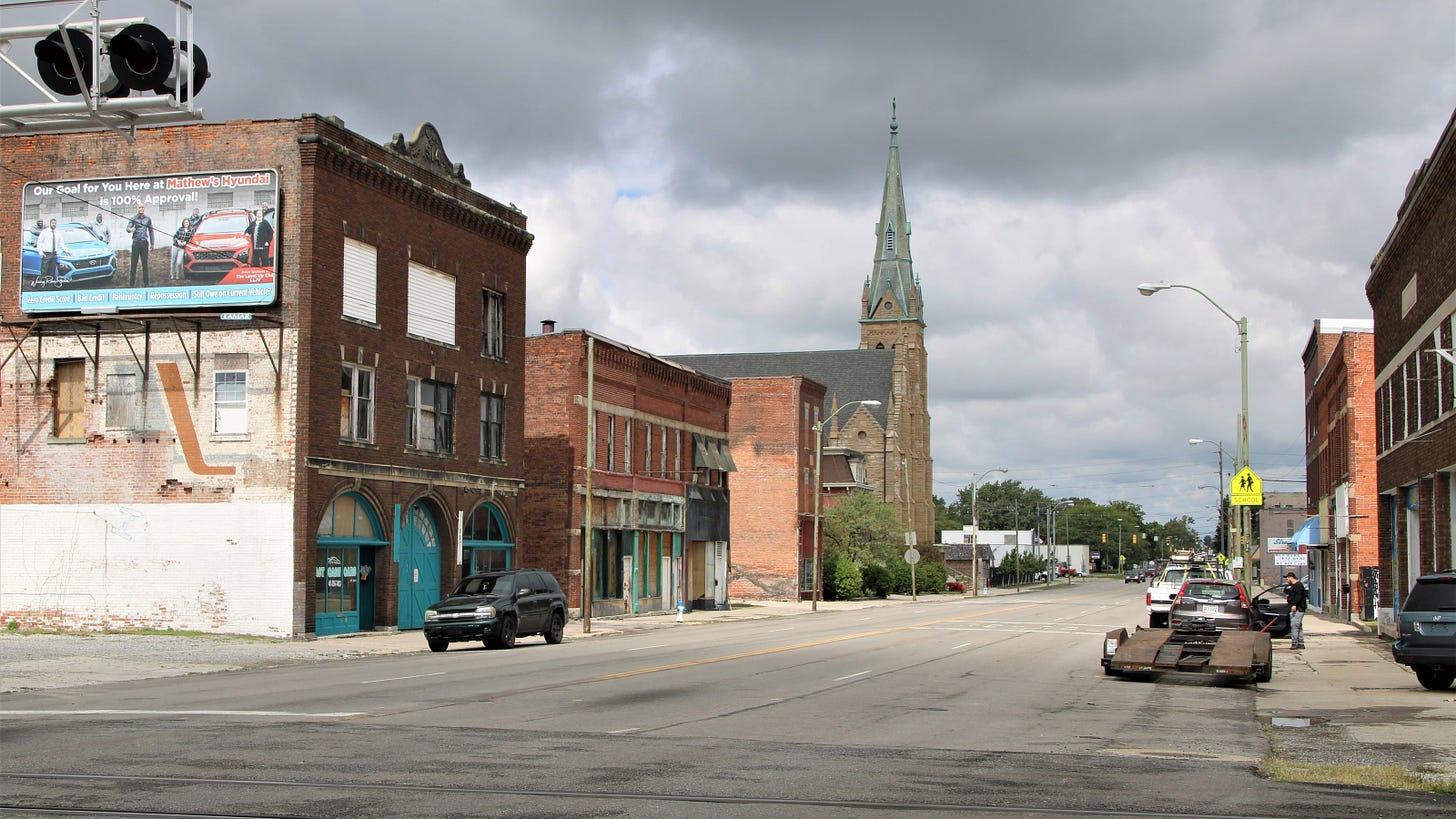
<point x="994" y="705"/>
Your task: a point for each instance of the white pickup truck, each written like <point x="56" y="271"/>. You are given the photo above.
<point x="1162" y="590"/>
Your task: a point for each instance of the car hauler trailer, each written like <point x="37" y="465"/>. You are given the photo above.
<point x="1242" y="655"/>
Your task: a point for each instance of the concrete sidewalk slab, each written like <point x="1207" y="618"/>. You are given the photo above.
<point x="1344" y="700"/>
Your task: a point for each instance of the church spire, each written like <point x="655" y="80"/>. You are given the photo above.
<point x="892" y="291"/>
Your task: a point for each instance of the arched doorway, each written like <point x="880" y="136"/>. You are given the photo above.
<point x="419" y="563"/>
<point x="488" y="545"/>
<point x="348" y="535"/>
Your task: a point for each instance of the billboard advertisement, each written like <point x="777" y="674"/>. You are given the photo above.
<point x="149" y="243"/>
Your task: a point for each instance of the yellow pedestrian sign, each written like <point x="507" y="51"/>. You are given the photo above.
<point x="1247" y="489"/>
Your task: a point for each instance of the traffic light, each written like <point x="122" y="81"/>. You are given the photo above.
<point x="140" y="57"/>
<point x="1104" y="537"/>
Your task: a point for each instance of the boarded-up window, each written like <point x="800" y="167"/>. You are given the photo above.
<point x="70" y="398"/>
<point x="122" y="403"/>
<point x="431" y="304"/>
<point x="361" y="280"/>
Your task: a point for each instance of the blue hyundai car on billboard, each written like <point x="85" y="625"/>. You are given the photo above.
<point x="86" y="258"/>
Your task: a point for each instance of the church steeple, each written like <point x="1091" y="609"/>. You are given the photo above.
<point x="892" y="293"/>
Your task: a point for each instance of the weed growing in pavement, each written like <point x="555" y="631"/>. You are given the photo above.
<point x="1390" y="777"/>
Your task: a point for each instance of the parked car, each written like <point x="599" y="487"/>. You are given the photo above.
<point x="1133" y="577"/>
<point x="496" y="608"/>
<point x="1212" y="605"/>
<point x="1165" y="587"/>
<point x="86" y="257"/>
<point x="219" y="245"/>
<point x="1427" y="640"/>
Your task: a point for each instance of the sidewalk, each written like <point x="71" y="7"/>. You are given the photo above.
<point x="1344" y="700"/>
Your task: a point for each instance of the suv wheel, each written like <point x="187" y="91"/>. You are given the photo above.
<point x="439" y="645"/>
<point x="1434" y="679"/>
<point x="557" y="630"/>
<point x="506" y="638"/>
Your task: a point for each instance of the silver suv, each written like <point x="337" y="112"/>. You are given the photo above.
<point x="1161" y="591"/>
<point x="1427" y="641"/>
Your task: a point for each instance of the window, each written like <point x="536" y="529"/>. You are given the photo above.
<point x="627" y="446"/>
<point x="492" y="325"/>
<point x="230" y="402"/>
<point x="889" y="241"/>
<point x="647" y="449"/>
<point x="361" y="280"/>
<point x="356" y="404"/>
<point x="430" y="416"/>
<point x="492" y="434"/>
<point x="70" y="413"/>
<point x="431" y="313"/>
<point x="1408" y="297"/>
<point x="611" y="442"/>
<point x="121" y="401"/>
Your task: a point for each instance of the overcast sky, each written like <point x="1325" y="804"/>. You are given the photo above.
<point x="706" y="176"/>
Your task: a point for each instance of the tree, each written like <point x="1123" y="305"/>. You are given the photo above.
<point x="867" y="529"/>
<point x="944" y="518"/>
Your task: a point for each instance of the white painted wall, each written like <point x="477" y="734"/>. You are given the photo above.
<point x="225" y="568"/>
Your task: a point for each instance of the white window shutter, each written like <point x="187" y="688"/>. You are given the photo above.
<point x="431" y="304"/>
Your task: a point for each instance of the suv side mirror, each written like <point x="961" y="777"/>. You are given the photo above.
<point x="522" y="592"/>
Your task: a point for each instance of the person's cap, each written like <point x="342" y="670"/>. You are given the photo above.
<point x="1291" y="574"/>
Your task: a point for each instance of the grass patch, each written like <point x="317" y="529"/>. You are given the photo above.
<point x="1390" y="777"/>
<point x="16" y="629"/>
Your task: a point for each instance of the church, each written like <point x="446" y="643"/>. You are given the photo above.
<point x="882" y="448"/>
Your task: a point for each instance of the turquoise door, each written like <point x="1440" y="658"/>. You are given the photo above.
<point x="348" y="531"/>
<point x="419" y="565"/>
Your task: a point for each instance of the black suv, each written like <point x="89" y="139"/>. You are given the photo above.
<point x="1427" y="641"/>
<point x="498" y="607"/>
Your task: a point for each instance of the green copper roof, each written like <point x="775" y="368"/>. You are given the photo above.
<point x="893" y="277"/>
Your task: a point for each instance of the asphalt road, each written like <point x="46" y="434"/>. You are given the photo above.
<point x="993" y="705"/>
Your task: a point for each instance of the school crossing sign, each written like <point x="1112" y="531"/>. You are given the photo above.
<point x="1246" y="489"/>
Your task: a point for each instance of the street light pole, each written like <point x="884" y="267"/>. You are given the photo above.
<point x="819" y="493"/>
<point x="1242" y="323"/>
<point x="976" y="534"/>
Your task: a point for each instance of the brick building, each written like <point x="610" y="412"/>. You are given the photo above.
<point x="1412" y="294"/>
<point x="1339" y="407"/>
<point x="642" y="476"/>
<point x="311" y="431"/>
<point x="771" y="438"/>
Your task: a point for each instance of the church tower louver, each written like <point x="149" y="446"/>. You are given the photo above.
<point x="892" y="317"/>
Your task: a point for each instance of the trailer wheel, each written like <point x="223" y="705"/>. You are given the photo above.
<point x="1110" y="671"/>
<point x="1264" y="674"/>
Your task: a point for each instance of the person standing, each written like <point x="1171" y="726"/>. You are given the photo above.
<point x="1298" y="598"/>
<point x="50" y="244"/>
<point x="142" y="238"/>
<point x="101" y="230"/>
<point x="261" y="234"/>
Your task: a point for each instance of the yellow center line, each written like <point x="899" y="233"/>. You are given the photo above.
<point x="826" y="641"/>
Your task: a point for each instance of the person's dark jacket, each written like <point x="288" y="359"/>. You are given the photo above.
<point x="1297" y="596"/>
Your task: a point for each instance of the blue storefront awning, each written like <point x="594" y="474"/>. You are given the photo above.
<point x="1308" y="534"/>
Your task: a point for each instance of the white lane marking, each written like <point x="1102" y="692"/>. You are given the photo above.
<point x="851" y="676"/>
<point x="644" y="648"/>
<point x="97" y="712"/>
<point x="777" y="630"/>
<point x="961" y="646"/>
<point x="622" y="731"/>
<point x="410" y="677"/>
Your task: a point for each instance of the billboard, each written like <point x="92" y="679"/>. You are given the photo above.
<point x="149" y="243"/>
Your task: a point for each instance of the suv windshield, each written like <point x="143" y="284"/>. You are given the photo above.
<point x="1436" y="594"/>
<point x="499" y="585"/>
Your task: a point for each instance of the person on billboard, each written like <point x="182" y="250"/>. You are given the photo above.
<point x="180" y="238"/>
<point x="49" y="244"/>
<point x="101" y="230"/>
<point x="142" y="239"/>
<point x="260" y="231"/>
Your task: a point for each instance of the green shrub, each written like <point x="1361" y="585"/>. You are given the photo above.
<point x="842" y="579"/>
<point x="879" y="580"/>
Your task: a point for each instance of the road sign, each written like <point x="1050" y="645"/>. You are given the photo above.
<point x="912" y="556"/>
<point x="1246" y="489"/>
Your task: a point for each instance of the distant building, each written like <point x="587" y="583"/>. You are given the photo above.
<point x="627" y="452"/>
<point x="1412" y="293"/>
<point x="1339" y="378"/>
